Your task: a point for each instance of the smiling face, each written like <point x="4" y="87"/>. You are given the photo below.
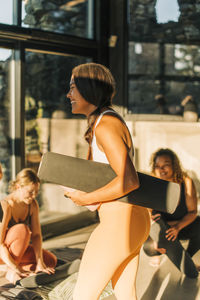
<point x="78" y="103"/>
<point x="164" y="168"/>
<point x="28" y="193"/>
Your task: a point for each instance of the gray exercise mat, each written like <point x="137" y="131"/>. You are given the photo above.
<point x="174" y="250"/>
<point x="88" y="175"/>
<point x="42" y="278"/>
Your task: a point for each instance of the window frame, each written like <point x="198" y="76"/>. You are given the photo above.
<point x="19" y="39"/>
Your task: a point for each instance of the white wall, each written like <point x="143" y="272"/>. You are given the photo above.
<point x="66" y="137"/>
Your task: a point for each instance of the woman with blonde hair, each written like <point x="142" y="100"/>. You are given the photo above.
<point x="20" y="225"/>
<point x="112" y="251"/>
<point x="184" y="223"/>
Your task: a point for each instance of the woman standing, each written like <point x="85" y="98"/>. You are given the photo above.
<point x="184" y="222"/>
<point x="112" y="252"/>
<point x="20" y="225"/>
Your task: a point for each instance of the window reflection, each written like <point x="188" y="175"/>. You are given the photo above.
<point x="6" y="12"/>
<point x="5" y="59"/>
<point x="167" y="11"/>
<point x="162" y="71"/>
<point x="143" y="58"/>
<point x="183" y="59"/>
<point x="141" y="96"/>
<point x="47" y="80"/>
<point x="73" y="17"/>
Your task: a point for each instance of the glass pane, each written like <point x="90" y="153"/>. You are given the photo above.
<point x="143" y="58"/>
<point x="5" y="151"/>
<point x="167" y="11"/>
<point x="6" y="12"/>
<point x="141" y="100"/>
<point x="47" y="110"/>
<point x="182" y="60"/>
<point x="177" y="91"/>
<point x="73" y="17"/>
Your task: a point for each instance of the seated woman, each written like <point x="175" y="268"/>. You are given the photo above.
<point x="184" y="222"/>
<point x="20" y="225"/>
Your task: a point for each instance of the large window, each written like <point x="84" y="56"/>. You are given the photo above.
<point x="47" y="80"/>
<point x="6" y="12"/>
<point x="5" y="118"/>
<point x="163" y="56"/>
<point x="47" y="38"/>
<point x="171" y="70"/>
<point x="70" y="17"/>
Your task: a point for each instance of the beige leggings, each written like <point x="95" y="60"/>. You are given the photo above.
<point x="112" y="252"/>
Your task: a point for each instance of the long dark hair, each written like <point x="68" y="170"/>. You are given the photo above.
<point x="96" y="85"/>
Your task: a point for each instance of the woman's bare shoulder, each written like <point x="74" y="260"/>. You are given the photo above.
<point x="7" y="202"/>
<point x="187" y="180"/>
<point x="110" y="123"/>
<point x="189" y="185"/>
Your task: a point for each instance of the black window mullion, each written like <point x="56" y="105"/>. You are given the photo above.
<point x="17" y="14"/>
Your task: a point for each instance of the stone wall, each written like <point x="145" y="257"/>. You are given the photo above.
<point x="58" y="16"/>
<point x="144" y="24"/>
<point x="164" y="58"/>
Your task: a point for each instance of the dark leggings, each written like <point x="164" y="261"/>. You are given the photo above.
<point x="190" y="232"/>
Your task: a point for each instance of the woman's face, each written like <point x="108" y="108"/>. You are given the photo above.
<point x="28" y="193"/>
<point x="164" y="168"/>
<point x="78" y="103"/>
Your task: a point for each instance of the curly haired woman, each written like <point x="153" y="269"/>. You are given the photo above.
<point x="184" y="222"/>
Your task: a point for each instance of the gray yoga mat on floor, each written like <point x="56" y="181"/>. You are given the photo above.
<point x="42" y="278"/>
<point x="174" y="250"/>
<point x="88" y="175"/>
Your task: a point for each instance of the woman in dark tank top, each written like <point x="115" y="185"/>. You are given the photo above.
<point x="27" y="220"/>
<point x="20" y="226"/>
<point x="184" y="222"/>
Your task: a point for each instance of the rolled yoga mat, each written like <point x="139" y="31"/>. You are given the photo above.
<point x="87" y="176"/>
<point x="174" y="250"/>
<point x="42" y="278"/>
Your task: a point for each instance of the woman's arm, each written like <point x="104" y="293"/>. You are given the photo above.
<point x="37" y="239"/>
<point x="111" y="136"/>
<point x="191" y="203"/>
<point x="4" y="253"/>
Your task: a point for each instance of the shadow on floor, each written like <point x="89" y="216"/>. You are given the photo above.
<point x="168" y="283"/>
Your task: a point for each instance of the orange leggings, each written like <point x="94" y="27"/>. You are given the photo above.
<point x="17" y="241"/>
<point x="112" y="252"/>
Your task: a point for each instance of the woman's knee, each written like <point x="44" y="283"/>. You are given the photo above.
<point x="19" y="230"/>
<point x="18" y="238"/>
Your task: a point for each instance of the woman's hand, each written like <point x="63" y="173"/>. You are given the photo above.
<point x="41" y="267"/>
<point x="172" y="233"/>
<point x="22" y="273"/>
<point x="77" y="197"/>
<point x="155" y="217"/>
<point x="161" y="250"/>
